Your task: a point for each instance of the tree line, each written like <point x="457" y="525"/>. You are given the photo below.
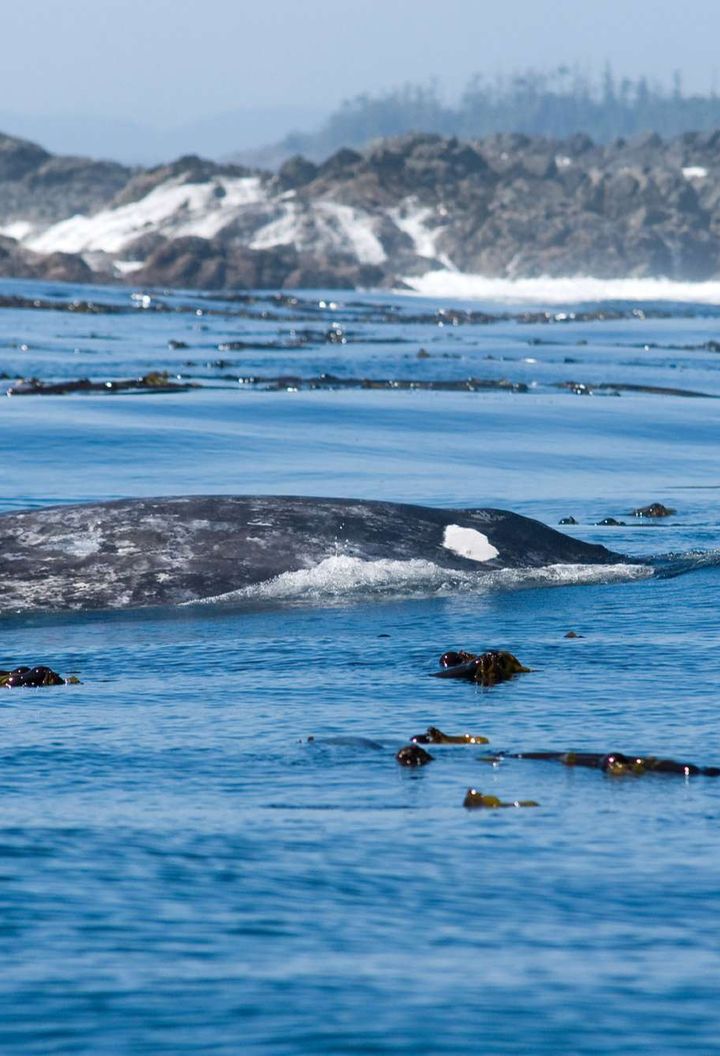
<point x="554" y="104"/>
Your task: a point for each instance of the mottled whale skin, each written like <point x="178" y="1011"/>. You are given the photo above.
<point x="167" y="551"/>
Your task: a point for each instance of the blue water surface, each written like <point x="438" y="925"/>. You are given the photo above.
<point x="183" y="871"/>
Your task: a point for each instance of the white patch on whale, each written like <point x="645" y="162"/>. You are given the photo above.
<point x="469" y="543"/>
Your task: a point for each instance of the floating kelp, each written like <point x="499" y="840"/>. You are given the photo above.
<point x="474" y="799"/>
<point x="645" y="512"/>
<point x="301" y="338"/>
<point x="146" y="302"/>
<point x="647" y="346"/>
<point x="612" y="388"/>
<point x="435" y="736"/>
<point x="155" y="381"/>
<point x="281" y="308"/>
<point x="76" y="306"/>
<point x="454" y="657"/>
<point x="619" y="765"/>
<point x="655" y="509"/>
<point x="293" y="382"/>
<point x="413" y="755"/>
<point x="27" y="677"/>
<point x="496" y="665"/>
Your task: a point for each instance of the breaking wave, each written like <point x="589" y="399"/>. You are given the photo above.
<point x="546" y="291"/>
<point x="348" y="578"/>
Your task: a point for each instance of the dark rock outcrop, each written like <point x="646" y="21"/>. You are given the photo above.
<point x="509" y="205"/>
<point x="212" y="264"/>
<point x="16" y="261"/>
<point x="41" y="187"/>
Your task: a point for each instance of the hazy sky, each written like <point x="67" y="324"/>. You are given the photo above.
<point x="175" y="61"/>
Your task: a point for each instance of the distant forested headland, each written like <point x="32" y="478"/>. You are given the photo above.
<point x="553" y="104"/>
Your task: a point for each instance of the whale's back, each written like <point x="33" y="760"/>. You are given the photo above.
<point x="165" y="551"/>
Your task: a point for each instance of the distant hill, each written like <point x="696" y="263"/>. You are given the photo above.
<point x="506" y="205"/>
<point x="133" y="142"/>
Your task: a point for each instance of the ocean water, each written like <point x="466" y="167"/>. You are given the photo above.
<point x="182" y="871"/>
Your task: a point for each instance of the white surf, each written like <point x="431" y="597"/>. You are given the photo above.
<point x="552" y="291"/>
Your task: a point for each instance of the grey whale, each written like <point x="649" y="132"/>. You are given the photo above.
<point x="168" y="551"/>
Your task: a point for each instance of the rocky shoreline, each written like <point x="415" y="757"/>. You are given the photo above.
<point x="507" y="206"/>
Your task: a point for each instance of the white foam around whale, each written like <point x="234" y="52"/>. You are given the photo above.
<point x="549" y="291"/>
<point x="347" y="578"/>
